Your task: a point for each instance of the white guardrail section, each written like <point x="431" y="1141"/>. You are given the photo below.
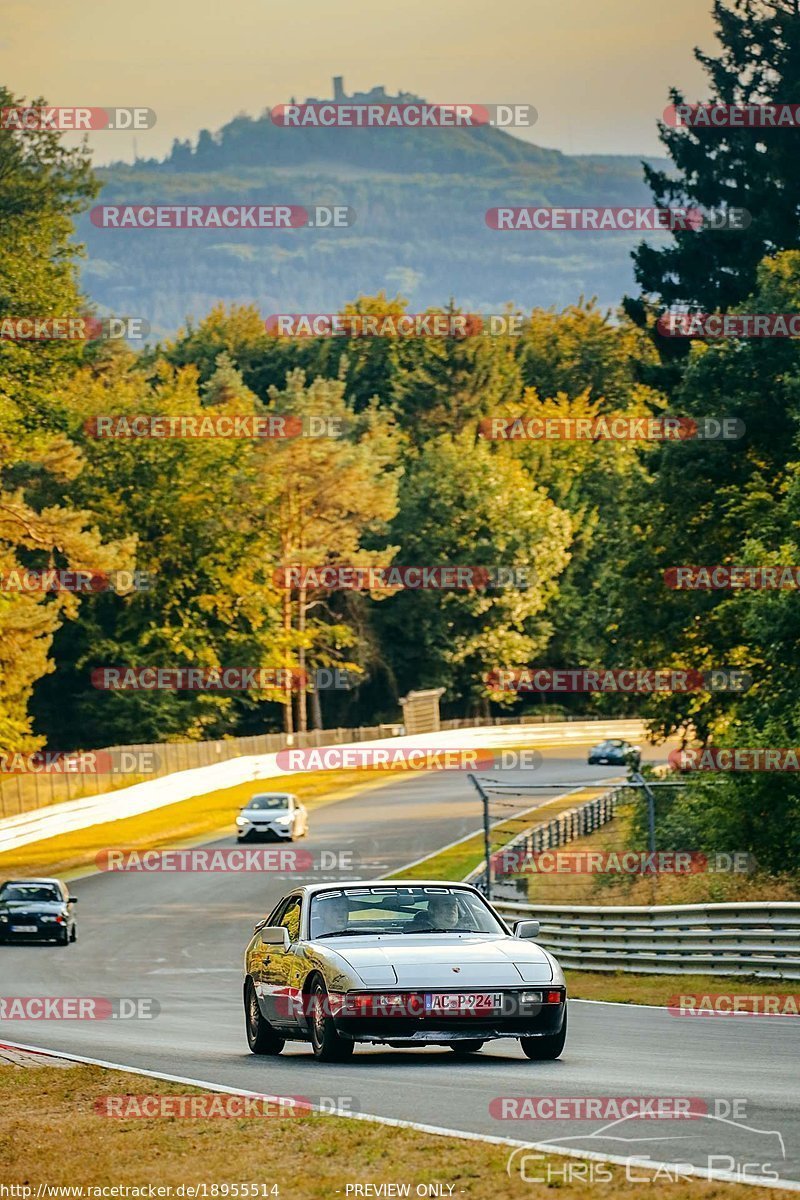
<point x="72" y="815"/>
<point x="756" y="939"/>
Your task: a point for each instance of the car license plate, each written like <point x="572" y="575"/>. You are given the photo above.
<point x="24" y="929"/>
<point x="462" y="1004"/>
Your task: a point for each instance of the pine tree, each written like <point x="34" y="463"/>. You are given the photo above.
<point x="737" y="167"/>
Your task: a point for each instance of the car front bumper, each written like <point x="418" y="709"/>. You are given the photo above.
<point x="42" y="933"/>
<point x="267" y="833"/>
<point x="512" y="1021"/>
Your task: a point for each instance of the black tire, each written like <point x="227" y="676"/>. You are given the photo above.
<point x="470" y="1046"/>
<point x="545" y="1049"/>
<point x="73" y="937"/>
<point x="63" y="937"/>
<point x="325" y="1041"/>
<point x="261" y="1037"/>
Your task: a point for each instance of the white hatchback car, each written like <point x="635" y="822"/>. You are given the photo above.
<point x="276" y="815"/>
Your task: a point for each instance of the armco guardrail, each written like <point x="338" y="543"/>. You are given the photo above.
<point x="757" y="939"/>
<point x="566" y="827"/>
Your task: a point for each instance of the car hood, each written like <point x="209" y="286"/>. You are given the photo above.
<point x="429" y="960"/>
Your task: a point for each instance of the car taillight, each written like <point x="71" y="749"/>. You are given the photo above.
<point x="61" y="920"/>
<point x="553" y="997"/>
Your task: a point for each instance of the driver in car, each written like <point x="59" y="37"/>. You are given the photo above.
<point x="331" y="915"/>
<point x="442" y="913"/>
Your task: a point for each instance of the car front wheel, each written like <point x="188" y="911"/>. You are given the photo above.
<point x="261" y="1037"/>
<point x="544" y="1049"/>
<point x="325" y="1041"/>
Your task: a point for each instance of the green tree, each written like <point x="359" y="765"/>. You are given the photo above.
<point x="462" y="504"/>
<point x="42" y="187"/>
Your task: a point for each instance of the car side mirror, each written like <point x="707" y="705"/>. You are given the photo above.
<point x="72" y="900"/>
<point x="526" y="929"/>
<point x="275" y="935"/>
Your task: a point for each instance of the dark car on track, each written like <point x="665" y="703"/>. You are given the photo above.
<point x="38" y="910"/>
<point x="615" y="752"/>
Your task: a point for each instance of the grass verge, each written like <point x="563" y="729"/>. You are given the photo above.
<point x="50" y="1134"/>
<point x="618" y="987"/>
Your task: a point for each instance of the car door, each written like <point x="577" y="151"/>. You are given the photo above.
<point x="277" y="971"/>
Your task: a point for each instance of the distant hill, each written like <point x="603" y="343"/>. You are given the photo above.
<point x="420" y="197"/>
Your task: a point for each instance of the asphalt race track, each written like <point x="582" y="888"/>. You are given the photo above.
<point x="179" y="939"/>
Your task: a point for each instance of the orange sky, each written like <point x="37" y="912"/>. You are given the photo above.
<point x="597" y="73"/>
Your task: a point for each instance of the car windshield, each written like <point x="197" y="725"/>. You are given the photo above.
<point x="399" y="910"/>
<point x="264" y="803"/>
<point x="29" y="892"/>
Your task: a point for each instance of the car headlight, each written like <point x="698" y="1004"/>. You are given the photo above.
<point x="47" y="918"/>
<point x="242" y="821"/>
<point x="3" y="917"/>
<point x="287" y="820"/>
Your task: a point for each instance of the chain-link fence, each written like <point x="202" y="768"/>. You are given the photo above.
<point x="623" y="845"/>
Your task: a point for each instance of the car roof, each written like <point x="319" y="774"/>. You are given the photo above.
<point x="273" y="796"/>
<point x="57" y="882"/>
<point x="309" y="889"/>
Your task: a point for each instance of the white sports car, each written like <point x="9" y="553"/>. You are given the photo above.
<point x="274" y="815"/>
<point x="402" y="963"/>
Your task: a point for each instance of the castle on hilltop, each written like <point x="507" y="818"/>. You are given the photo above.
<point x="376" y="95"/>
